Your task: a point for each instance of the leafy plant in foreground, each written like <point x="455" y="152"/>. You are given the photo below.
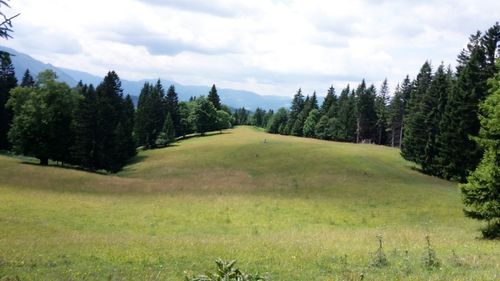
<point x="226" y="271"/>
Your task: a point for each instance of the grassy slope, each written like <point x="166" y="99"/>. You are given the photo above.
<point x="292" y="207"/>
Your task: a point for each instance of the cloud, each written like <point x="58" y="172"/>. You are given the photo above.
<point x="268" y="46"/>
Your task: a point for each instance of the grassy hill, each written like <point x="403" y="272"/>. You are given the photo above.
<point x="299" y="209"/>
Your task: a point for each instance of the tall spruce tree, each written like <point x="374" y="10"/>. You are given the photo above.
<point x="295" y="109"/>
<point x="329" y="102"/>
<point x="7" y="82"/>
<point x="432" y="109"/>
<point x="381" y="109"/>
<point x="172" y="104"/>
<point x="395" y="115"/>
<point x="144" y="124"/>
<point x="85" y="124"/>
<point x="367" y="117"/>
<point x="481" y="194"/>
<point x="414" y="141"/>
<point x="346" y="117"/>
<point x="458" y="153"/>
<point x="28" y="80"/>
<point x="213" y="97"/>
<point x="167" y="134"/>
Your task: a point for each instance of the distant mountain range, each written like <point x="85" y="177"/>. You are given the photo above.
<point x="231" y="97"/>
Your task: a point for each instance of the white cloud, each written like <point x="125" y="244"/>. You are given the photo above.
<point x="268" y="46"/>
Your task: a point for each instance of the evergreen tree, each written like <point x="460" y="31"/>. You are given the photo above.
<point x="267" y="117"/>
<point x="241" y="116"/>
<point x="321" y="130"/>
<point x="395" y="115"/>
<point x="310" y="123"/>
<point x="278" y="122"/>
<point x="346" y="117"/>
<point x="84" y="150"/>
<point x="214" y="97"/>
<point x="28" y="80"/>
<point x="381" y="102"/>
<point x="414" y="141"/>
<point x="481" y="194"/>
<point x="432" y="109"/>
<point x="185" y="124"/>
<point x="7" y="82"/>
<point x="295" y="109"/>
<point x="223" y="120"/>
<point x="144" y="125"/>
<point x="458" y="154"/>
<point x="366" y="112"/>
<point x="329" y="101"/>
<point x="258" y="118"/>
<point x="167" y="134"/>
<point x="172" y="103"/>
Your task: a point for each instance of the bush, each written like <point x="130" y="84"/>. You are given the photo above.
<point x="226" y="271"/>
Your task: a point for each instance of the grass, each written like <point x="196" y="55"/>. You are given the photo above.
<point x="296" y="208"/>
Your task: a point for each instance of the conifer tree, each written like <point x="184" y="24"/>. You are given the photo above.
<point x="381" y="109"/>
<point x="28" y="80"/>
<point x="481" y="194"/>
<point x="172" y="103"/>
<point x="458" y="153"/>
<point x="366" y="112"/>
<point x="414" y="141"/>
<point x="205" y="115"/>
<point x="144" y="124"/>
<point x="432" y="109"/>
<point x="295" y="109"/>
<point x="7" y="82"/>
<point x="329" y="101"/>
<point x="84" y="150"/>
<point x="346" y="117"/>
<point x="167" y="134"/>
<point x="321" y="130"/>
<point x="278" y="122"/>
<point x="395" y="115"/>
<point x="213" y="97"/>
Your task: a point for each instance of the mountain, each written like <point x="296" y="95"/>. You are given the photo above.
<point x="231" y="97"/>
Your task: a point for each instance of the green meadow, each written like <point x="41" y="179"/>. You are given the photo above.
<point x="292" y="208"/>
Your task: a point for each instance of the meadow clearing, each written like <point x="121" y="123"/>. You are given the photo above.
<point x="294" y="208"/>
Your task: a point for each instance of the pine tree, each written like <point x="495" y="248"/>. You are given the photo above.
<point x="346" y="117"/>
<point x="144" y="125"/>
<point x="366" y="112"/>
<point x="167" y="134"/>
<point x="278" y="121"/>
<point x="295" y="109"/>
<point x="481" y="194"/>
<point x="432" y="109"/>
<point x="7" y="82"/>
<point x="172" y="103"/>
<point x="395" y="115"/>
<point x="84" y="150"/>
<point x="28" y="80"/>
<point x="213" y="97"/>
<point x="321" y="130"/>
<point x="458" y="153"/>
<point x="381" y="110"/>
<point x="329" y="102"/>
<point x="414" y="141"/>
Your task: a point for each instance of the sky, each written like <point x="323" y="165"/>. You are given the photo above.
<point x="271" y="47"/>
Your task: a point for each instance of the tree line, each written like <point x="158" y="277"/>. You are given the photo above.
<point x="97" y="128"/>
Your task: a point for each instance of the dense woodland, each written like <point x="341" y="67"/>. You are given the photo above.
<point x="444" y="120"/>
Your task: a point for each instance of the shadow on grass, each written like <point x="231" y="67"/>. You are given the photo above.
<point x="34" y="162"/>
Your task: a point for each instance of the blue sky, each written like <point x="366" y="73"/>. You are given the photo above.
<point x="267" y="46"/>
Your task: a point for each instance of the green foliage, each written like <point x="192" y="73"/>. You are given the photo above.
<point x="381" y="110"/>
<point x="150" y="114"/>
<point x="204" y="115"/>
<point x="366" y="115"/>
<point x="167" y="134"/>
<point x="224" y="120"/>
<point x="172" y="108"/>
<point x="7" y="82"/>
<point x="278" y="122"/>
<point x="310" y="123"/>
<point x="429" y="258"/>
<point x="481" y="194"/>
<point x="28" y="80"/>
<point x="379" y="258"/>
<point x="213" y="97"/>
<point x="42" y="119"/>
<point x="321" y="130"/>
<point x="241" y="116"/>
<point x="226" y="271"/>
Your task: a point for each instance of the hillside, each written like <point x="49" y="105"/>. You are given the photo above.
<point x="297" y="208"/>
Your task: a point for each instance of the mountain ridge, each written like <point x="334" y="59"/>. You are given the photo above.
<point x="232" y="97"/>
